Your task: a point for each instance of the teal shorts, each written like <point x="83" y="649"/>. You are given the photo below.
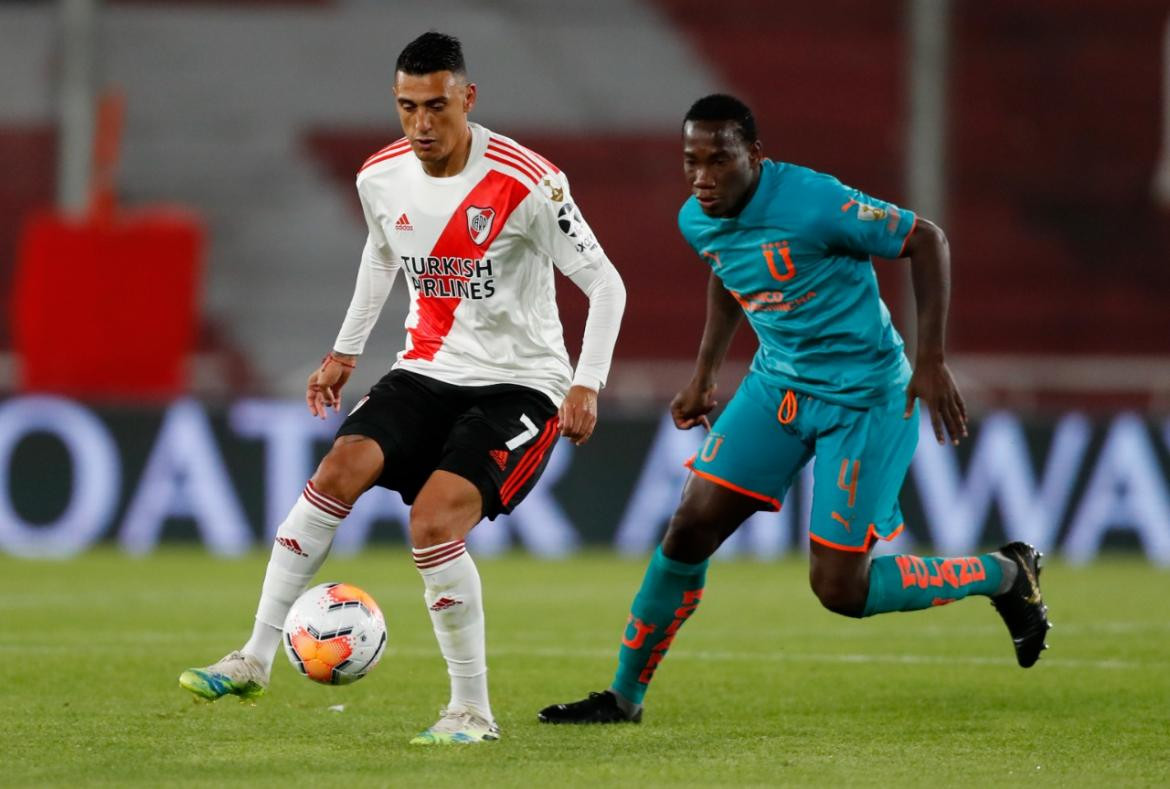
<point x="766" y="435"/>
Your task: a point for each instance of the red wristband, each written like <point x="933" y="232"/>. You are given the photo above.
<point x="329" y="357"/>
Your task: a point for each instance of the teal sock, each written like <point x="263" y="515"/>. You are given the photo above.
<point x="670" y="593"/>
<point x="910" y="583"/>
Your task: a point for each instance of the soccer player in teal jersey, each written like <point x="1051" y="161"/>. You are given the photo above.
<point x="790" y="248"/>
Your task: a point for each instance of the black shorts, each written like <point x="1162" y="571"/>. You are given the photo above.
<point x="497" y="437"/>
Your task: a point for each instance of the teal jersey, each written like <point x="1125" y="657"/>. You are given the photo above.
<point x="797" y="259"/>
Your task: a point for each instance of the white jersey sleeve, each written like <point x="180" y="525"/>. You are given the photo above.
<point x="559" y="230"/>
<point x="376" y="274"/>
<point x="603" y="285"/>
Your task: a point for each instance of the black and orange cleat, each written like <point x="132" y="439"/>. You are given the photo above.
<point x="1022" y="607"/>
<point x="597" y="708"/>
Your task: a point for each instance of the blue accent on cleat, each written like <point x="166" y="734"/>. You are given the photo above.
<point x="212" y="686"/>
<point x="245" y="679"/>
<point x="458" y="727"/>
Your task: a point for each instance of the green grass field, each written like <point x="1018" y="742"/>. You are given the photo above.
<point x="761" y="688"/>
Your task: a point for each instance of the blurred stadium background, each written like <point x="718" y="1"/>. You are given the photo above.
<point x="179" y="236"/>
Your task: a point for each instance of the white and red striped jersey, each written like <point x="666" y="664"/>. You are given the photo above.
<point x="477" y="250"/>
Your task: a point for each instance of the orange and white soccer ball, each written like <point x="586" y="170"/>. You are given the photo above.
<point x="334" y="634"/>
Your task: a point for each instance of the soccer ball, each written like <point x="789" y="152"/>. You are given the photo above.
<point x="334" y="634"/>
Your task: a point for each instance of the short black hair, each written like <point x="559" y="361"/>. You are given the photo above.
<point x="722" y="107"/>
<point x="431" y="52"/>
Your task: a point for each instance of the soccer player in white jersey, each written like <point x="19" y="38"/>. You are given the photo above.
<point x="464" y="423"/>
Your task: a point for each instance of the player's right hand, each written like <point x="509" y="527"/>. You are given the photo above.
<point x="691" y="406"/>
<point x="933" y="384"/>
<point x="324" y="387"/>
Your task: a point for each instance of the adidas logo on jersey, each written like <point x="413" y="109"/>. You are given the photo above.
<point x="403" y="223"/>
<point x="500" y="456"/>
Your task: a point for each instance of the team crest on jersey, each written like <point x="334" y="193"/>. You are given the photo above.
<point x="479" y="222"/>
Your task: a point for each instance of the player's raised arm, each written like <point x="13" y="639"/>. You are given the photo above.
<point x="697" y="399"/>
<point x="932" y="382"/>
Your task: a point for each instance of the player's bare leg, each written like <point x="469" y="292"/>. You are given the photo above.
<point x="671" y="591"/>
<point x="350" y="468"/>
<point x="839" y="579"/>
<point x="707" y="515"/>
<point x="445" y="511"/>
<point x="302" y="543"/>
<point x="852" y="584"/>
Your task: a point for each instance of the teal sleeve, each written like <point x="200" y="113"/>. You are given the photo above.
<point x="852" y="220"/>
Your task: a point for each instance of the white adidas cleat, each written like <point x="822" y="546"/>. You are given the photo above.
<point x="235" y="673"/>
<point x="459" y="726"/>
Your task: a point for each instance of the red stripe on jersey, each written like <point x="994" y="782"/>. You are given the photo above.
<point x="530" y="462"/>
<point x="385" y="158"/>
<point x="396" y="144"/>
<point x="524" y="165"/>
<point x="381" y="151"/>
<point x="514" y="164"/>
<point x="377" y="158"/>
<point x="547" y="163"/>
<point x="511" y="152"/>
<point x="436" y="314"/>
<point x="537" y="160"/>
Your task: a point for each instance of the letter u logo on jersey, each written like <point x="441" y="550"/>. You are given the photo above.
<point x="479" y="222"/>
<point x="781" y="247"/>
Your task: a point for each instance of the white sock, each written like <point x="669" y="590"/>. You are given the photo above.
<point x="454" y="598"/>
<point x="302" y="543"/>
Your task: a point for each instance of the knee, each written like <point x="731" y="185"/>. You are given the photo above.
<point x="335" y="478"/>
<point x="348" y="470"/>
<point x="690" y="538"/>
<point x="429" y="526"/>
<point x="446" y="509"/>
<point x="841" y="595"/>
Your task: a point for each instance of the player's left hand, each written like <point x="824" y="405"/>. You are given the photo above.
<point x="323" y="390"/>
<point x="579" y="414"/>
<point x="933" y="384"/>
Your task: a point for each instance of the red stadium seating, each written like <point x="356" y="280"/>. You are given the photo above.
<point x="1053" y="139"/>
